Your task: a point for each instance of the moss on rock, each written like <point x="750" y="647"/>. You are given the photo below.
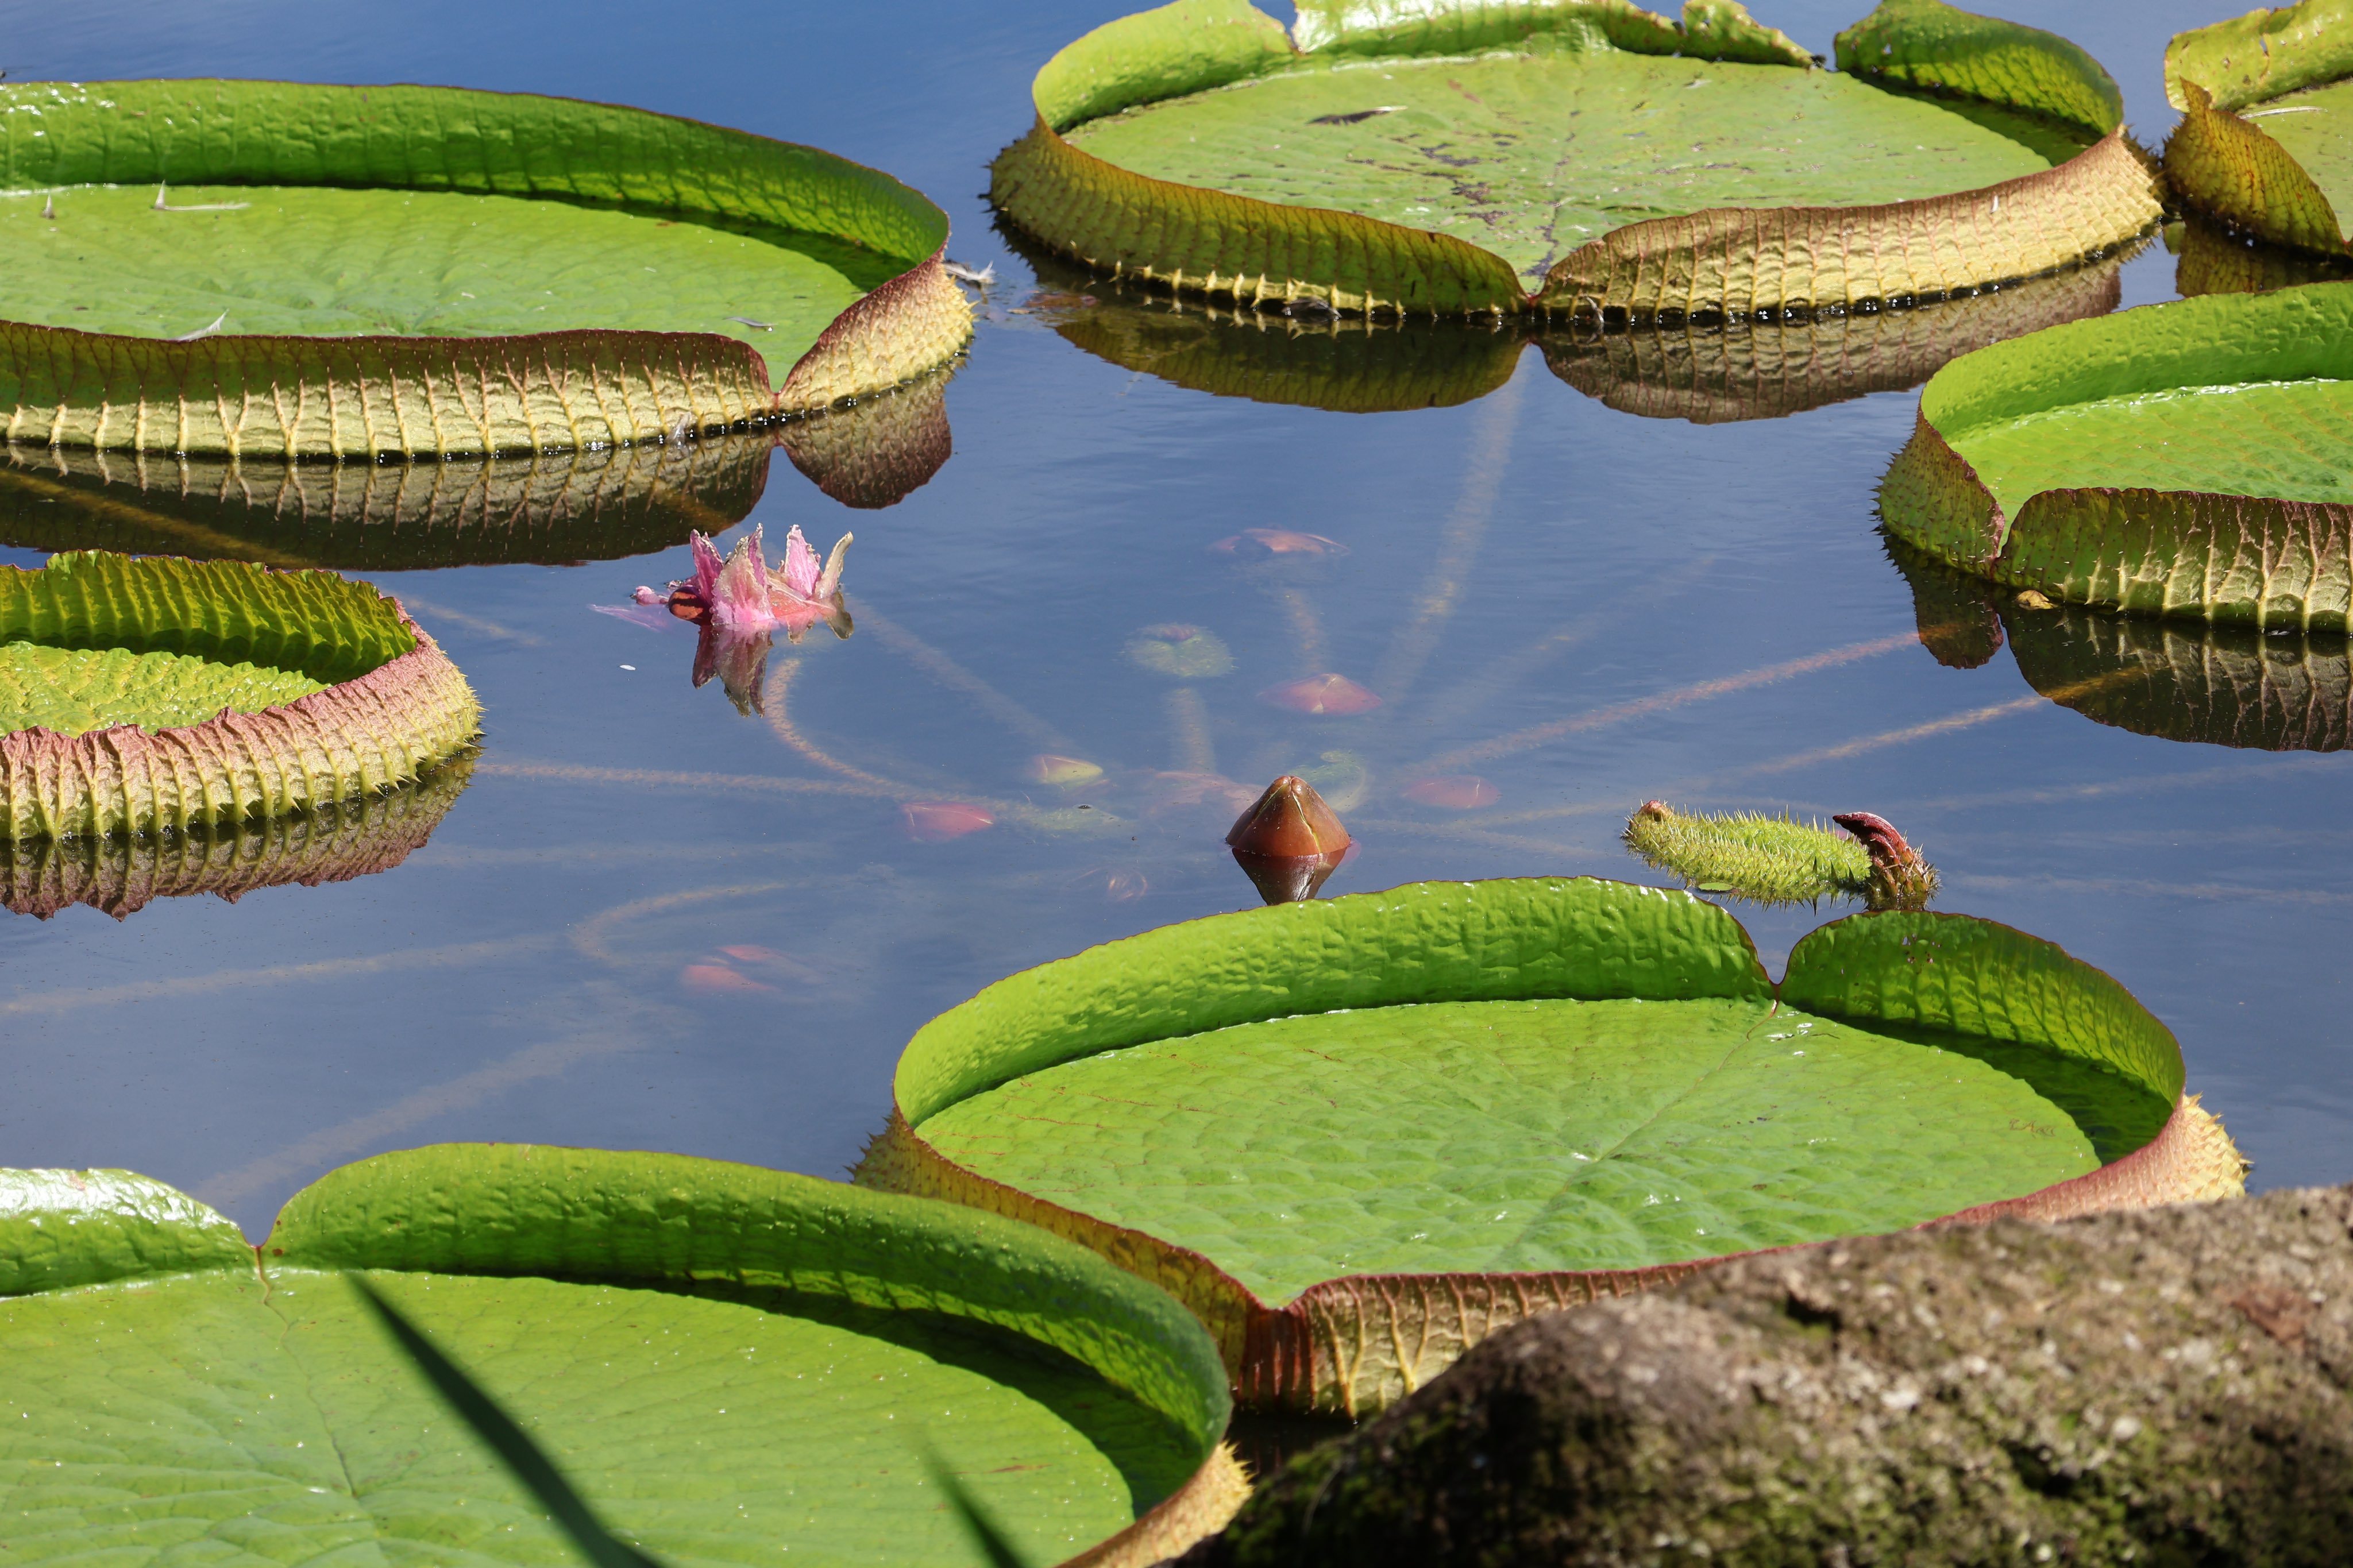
<point x="2162" y="1386"/>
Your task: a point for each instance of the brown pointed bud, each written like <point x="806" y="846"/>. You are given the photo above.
<point x="1288" y="822"/>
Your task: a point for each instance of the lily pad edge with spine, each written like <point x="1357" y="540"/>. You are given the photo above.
<point x="383" y="396"/>
<point x="1357" y="1343"/>
<point x="393" y="704"/>
<point x="667" y="1223"/>
<point x="1726" y="261"/>
<point x="2218" y="160"/>
<point x="2258" y="561"/>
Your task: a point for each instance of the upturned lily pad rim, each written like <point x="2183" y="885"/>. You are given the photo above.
<point x="376" y="396"/>
<point x="668" y="1222"/>
<point x="1147" y="227"/>
<point x="397" y="705"/>
<point x="1357" y="1342"/>
<point x="2101" y="545"/>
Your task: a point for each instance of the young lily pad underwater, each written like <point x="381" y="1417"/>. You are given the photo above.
<point x="895" y="1106"/>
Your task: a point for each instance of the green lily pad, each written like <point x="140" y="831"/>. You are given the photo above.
<point x="2265" y="141"/>
<point x="1708" y="374"/>
<point x="159" y="694"/>
<point x="329" y="843"/>
<point x="269" y="268"/>
<point x="732" y="1364"/>
<point x="1355" y="1136"/>
<point x="1419" y="159"/>
<point x="2178" y="460"/>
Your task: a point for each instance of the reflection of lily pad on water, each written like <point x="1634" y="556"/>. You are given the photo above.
<point x="1362" y="1134"/>
<point x="2226" y="686"/>
<point x="2265" y="141"/>
<point x="153" y="695"/>
<point x="728" y="1361"/>
<point x="1418" y="161"/>
<point x="331" y="843"/>
<point x="271" y="269"/>
<point x="382" y="516"/>
<point x="2184" y="460"/>
<point x="2215" y="259"/>
<point x="1708" y="374"/>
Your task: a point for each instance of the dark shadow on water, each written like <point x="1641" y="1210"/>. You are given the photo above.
<point x="1151" y="1453"/>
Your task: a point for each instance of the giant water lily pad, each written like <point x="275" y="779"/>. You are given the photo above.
<point x="146" y="694"/>
<point x="1358" y="1136"/>
<point x="1585" y="157"/>
<point x="2265" y="141"/>
<point x="2186" y="460"/>
<point x="1706" y="374"/>
<point x="735" y="1365"/>
<point x="271" y="269"/>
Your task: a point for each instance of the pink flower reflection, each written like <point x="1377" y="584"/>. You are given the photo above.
<point x="1454" y="792"/>
<point x="937" y="821"/>
<point x="1330" y="696"/>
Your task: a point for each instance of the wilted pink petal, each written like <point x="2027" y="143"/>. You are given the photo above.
<point x="645" y="596"/>
<point x="1330" y="695"/>
<point x="800" y="565"/>
<point x="1258" y="543"/>
<point x="707" y="566"/>
<point x="717" y="977"/>
<point x="937" y="821"/>
<point x="1455" y="792"/>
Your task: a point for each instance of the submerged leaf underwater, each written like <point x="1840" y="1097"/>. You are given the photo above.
<point x="1533" y="584"/>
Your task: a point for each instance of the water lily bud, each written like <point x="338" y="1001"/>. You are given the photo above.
<point x="1290" y="821"/>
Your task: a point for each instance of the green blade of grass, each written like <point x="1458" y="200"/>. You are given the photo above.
<point x="532" y="1467"/>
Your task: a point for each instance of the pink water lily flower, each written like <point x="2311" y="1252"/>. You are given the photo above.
<point x="741" y="595"/>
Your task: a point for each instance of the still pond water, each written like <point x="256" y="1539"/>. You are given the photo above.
<point x="649" y="920"/>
